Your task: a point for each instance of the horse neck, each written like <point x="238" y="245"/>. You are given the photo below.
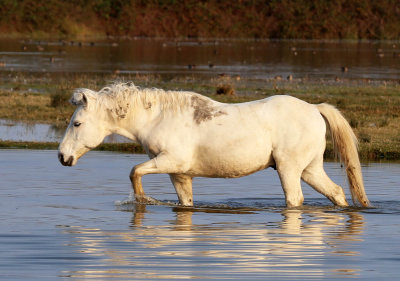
<point x="149" y="107"/>
<point x="139" y="120"/>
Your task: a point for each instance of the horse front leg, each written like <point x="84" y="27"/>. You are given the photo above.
<point x="183" y="188"/>
<point x="136" y="180"/>
<point x="162" y="164"/>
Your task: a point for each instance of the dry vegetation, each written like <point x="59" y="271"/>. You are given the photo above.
<point x="319" y="19"/>
<point x="31" y="107"/>
<point x="373" y="110"/>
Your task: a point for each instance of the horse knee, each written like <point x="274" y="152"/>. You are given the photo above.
<point x="133" y="170"/>
<point x="131" y="174"/>
<point x="134" y="174"/>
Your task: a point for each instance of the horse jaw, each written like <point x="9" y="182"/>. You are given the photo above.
<point x="79" y="154"/>
<point x="68" y="156"/>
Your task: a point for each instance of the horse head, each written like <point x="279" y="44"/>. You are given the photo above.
<point x="86" y="130"/>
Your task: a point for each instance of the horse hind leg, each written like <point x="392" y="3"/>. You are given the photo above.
<point x="316" y="177"/>
<point x="183" y="188"/>
<point x="290" y="180"/>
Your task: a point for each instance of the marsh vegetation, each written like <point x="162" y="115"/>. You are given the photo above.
<point x="371" y="108"/>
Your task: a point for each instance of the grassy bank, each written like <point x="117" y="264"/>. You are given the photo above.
<point x="120" y="147"/>
<point x="320" y="19"/>
<point x="373" y="109"/>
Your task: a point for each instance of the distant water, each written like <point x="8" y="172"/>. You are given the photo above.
<point x="37" y="132"/>
<point x="247" y="58"/>
<point x="77" y="223"/>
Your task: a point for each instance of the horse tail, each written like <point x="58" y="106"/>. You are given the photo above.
<point x="345" y="142"/>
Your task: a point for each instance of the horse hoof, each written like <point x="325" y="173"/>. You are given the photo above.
<point x="147" y="200"/>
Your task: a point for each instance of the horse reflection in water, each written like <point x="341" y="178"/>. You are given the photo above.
<point x="298" y="246"/>
<point x="188" y="135"/>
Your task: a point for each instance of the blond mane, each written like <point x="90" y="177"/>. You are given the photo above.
<point x="119" y="98"/>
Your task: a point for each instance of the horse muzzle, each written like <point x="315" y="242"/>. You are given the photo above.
<point x="65" y="162"/>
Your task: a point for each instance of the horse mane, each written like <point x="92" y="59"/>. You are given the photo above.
<point x="119" y="98"/>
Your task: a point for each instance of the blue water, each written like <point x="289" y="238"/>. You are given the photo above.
<point x="77" y="223"/>
<point x="36" y="132"/>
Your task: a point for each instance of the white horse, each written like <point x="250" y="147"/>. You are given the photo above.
<point x="188" y="135"/>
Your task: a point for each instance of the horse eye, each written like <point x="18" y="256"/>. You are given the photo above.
<point x="77" y="124"/>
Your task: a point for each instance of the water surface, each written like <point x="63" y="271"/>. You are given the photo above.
<point x="37" y="132"/>
<point x="77" y="223"/>
<point x="247" y="58"/>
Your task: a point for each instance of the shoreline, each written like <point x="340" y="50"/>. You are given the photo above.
<point x="329" y="155"/>
<point x="117" y="147"/>
<point x="371" y="107"/>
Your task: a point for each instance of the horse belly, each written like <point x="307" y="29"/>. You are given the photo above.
<point x="231" y="161"/>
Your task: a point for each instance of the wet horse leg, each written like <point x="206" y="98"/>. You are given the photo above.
<point x="290" y="180"/>
<point x="136" y="180"/>
<point x="183" y="188"/>
<point x="161" y="164"/>
<point x="316" y="177"/>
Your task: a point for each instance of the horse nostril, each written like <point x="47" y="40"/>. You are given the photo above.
<point x="70" y="160"/>
<point x="65" y="162"/>
<point x="61" y="157"/>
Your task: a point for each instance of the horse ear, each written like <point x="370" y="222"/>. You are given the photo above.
<point x="81" y="97"/>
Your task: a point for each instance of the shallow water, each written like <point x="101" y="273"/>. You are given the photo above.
<point x="247" y="58"/>
<point x="37" y="132"/>
<point x="78" y="223"/>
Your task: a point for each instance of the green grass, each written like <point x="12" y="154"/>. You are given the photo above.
<point x="372" y="109"/>
<point x="119" y="147"/>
